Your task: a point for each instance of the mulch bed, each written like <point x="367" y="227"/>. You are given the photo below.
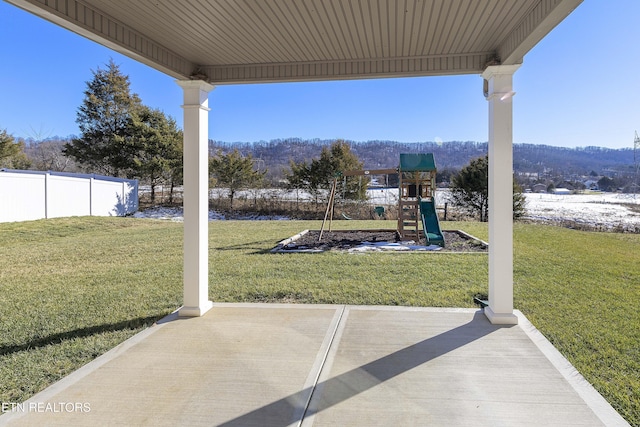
<point x="345" y="240"/>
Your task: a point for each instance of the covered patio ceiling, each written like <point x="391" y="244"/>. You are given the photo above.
<point x="247" y="41"/>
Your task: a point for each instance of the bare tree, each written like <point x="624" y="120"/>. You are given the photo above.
<point x="48" y="156"/>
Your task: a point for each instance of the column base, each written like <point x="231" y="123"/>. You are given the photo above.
<point x="500" y="318"/>
<point x="195" y="311"/>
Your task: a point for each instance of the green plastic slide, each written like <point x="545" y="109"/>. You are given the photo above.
<point x="430" y="223"/>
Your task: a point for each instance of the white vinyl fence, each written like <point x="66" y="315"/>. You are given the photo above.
<point x="30" y="195"/>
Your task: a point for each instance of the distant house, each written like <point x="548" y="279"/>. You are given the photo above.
<point x="539" y="188"/>
<point x="591" y="184"/>
<point x="561" y="191"/>
<point x="374" y="183"/>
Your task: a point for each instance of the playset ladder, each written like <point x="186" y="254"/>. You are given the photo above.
<point x="409" y="220"/>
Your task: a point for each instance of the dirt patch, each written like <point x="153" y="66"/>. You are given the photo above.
<point x="455" y="241"/>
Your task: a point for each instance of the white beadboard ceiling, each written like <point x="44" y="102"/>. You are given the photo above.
<point x="244" y="41"/>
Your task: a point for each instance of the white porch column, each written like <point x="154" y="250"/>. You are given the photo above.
<point x="499" y="92"/>
<point x="196" y="198"/>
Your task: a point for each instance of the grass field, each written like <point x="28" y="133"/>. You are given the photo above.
<point x="71" y="289"/>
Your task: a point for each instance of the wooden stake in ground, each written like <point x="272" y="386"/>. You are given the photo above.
<point x="329" y="208"/>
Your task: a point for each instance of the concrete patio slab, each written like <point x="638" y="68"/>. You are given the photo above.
<point x="320" y="365"/>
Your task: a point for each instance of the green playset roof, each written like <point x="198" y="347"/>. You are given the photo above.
<point x="417" y="162"/>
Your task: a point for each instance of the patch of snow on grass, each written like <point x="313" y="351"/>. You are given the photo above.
<point x="160" y="212"/>
<point x="177" y="214"/>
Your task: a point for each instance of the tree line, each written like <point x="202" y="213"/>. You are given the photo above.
<point x="544" y="161"/>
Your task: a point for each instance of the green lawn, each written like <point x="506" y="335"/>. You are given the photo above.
<point x="70" y="289"/>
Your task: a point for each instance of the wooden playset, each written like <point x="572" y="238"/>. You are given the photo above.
<point x="417" y="217"/>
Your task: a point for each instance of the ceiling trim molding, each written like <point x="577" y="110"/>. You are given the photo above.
<point x="347" y="70"/>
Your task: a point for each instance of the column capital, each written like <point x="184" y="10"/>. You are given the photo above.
<point x="497" y="83"/>
<point x="494" y="70"/>
<point x="195" y="84"/>
<point x="196" y="92"/>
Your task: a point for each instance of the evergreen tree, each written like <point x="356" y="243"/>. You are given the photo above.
<point x="154" y="148"/>
<point x="12" y="153"/>
<point x="606" y="184"/>
<point x="470" y="190"/>
<point x="338" y="159"/>
<point x="519" y="201"/>
<point x="320" y="173"/>
<point x="104" y="119"/>
<point x="298" y="178"/>
<point x="235" y="172"/>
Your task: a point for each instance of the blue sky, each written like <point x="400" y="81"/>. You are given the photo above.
<point x="579" y="87"/>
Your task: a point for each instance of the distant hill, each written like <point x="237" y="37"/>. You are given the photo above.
<point x="527" y="158"/>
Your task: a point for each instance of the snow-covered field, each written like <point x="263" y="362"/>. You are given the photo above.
<point x="606" y="210"/>
<point x="603" y="210"/>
